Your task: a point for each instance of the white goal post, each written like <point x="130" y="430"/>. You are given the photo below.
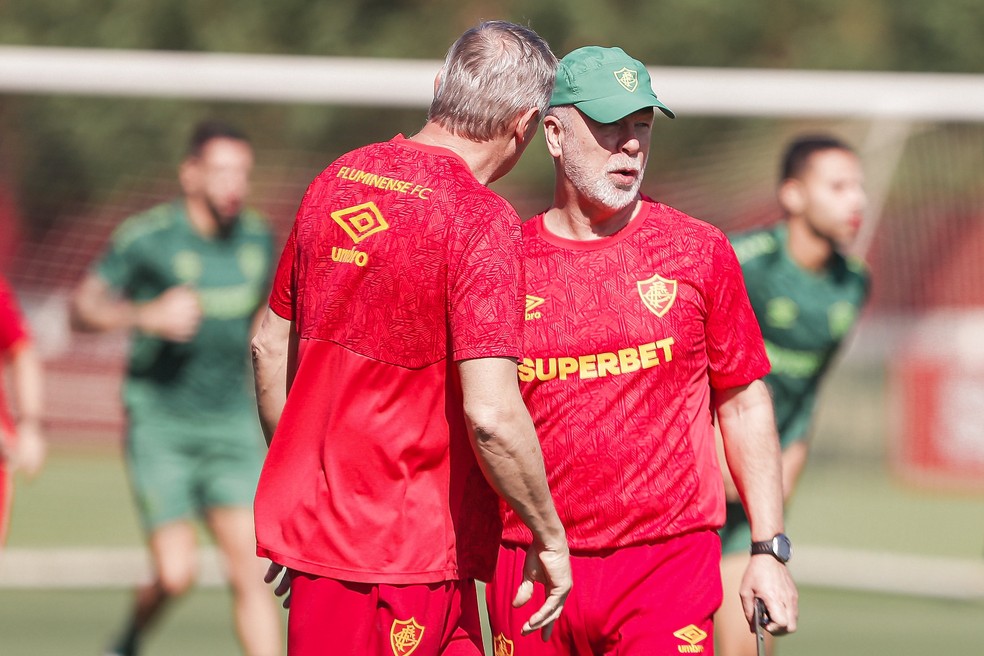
<point x="897" y="100"/>
<point x="408" y="83"/>
<point x="888" y="112"/>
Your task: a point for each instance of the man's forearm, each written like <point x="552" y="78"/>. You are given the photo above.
<point x="95" y="309"/>
<point x="270" y="395"/>
<point x="507" y="447"/>
<point x="270" y="350"/>
<point x="26" y="374"/>
<point x="752" y="449"/>
<point x="511" y="459"/>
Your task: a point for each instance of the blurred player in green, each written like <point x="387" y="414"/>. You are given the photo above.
<point x="187" y="279"/>
<point x="22" y="446"/>
<point x="806" y="294"/>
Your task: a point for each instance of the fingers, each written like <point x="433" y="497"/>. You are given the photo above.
<point x="523" y="594"/>
<point x="781" y="621"/>
<point x="553" y="570"/>
<point x="272" y="572"/>
<point x="770" y="581"/>
<point x="543" y="619"/>
<point x="174" y="316"/>
<point x="783" y="609"/>
<point x="780" y="615"/>
<point x="283" y="587"/>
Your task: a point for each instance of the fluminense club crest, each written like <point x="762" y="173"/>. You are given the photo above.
<point x="628" y="78"/>
<point x="502" y="646"/>
<point x="657" y="294"/>
<point x="405" y="636"/>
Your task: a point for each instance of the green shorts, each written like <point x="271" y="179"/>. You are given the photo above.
<point x="180" y="469"/>
<point x="736" y="534"/>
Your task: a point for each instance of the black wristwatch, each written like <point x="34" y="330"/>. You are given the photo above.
<point x="778" y="547"/>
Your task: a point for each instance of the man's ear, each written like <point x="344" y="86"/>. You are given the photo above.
<point x="553" y="132"/>
<point x="792" y="197"/>
<point x="526" y="125"/>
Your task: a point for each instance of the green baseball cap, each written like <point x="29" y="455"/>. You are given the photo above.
<point x="604" y="83"/>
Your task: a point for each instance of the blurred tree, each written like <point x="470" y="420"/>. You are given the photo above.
<point x="68" y="148"/>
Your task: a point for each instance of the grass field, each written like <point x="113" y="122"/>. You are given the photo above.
<point x="833" y="623"/>
<point x="82" y="500"/>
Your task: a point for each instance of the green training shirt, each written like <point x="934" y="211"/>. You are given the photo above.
<point x="804" y="318"/>
<point x="158" y="249"/>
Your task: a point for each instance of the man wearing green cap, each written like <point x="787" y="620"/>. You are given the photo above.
<point x="638" y="330"/>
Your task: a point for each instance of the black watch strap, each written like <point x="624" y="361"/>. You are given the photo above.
<point x="778" y="547"/>
<point x="763" y="548"/>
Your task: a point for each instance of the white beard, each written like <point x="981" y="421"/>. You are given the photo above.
<point x="596" y="186"/>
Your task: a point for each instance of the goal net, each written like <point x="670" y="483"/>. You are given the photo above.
<point x="920" y="136"/>
<point x="908" y="388"/>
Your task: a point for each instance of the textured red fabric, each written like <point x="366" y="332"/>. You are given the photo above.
<point x="399" y="264"/>
<point x="625" y="338"/>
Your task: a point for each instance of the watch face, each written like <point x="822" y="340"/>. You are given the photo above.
<point x="782" y="547"/>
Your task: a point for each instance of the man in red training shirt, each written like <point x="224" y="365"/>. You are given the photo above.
<point x="638" y="329"/>
<point x="387" y="361"/>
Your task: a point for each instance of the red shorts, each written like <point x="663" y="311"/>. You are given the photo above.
<point x="650" y="600"/>
<point x="328" y="616"/>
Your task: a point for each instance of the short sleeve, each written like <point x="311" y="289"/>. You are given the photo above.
<point x="485" y="286"/>
<point x="118" y="263"/>
<point x="283" y="293"/>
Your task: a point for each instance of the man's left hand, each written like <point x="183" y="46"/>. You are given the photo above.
<point x="770" y="581"/>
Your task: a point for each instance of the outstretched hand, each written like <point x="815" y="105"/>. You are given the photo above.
<point x="552" y="568"/>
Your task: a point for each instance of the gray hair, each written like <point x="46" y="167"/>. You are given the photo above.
<point x="494" y="72"/>
<point x="563" y="114"/>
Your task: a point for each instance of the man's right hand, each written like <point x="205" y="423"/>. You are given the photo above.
<point x="552" y="568"/>
<point x="283" y="588"/>
<point x="173" y="316"/>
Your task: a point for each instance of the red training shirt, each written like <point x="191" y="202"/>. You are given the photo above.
<point x="399" y="264"/>
<point x="625" y="338"/>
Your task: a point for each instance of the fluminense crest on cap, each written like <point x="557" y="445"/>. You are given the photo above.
<point x="628" y="78"/>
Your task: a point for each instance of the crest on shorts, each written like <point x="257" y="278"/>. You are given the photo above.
<point x="360" y="221"/>
<point x="405" y="636"/>
<point x="657" y="294"/>
<point x="502" y="646"/>
<point x="628" y="78"/>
